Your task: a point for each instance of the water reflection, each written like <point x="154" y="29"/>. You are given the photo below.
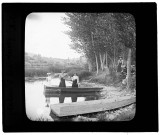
<point x="74" y="96"/>
<point x="37" y="103"/>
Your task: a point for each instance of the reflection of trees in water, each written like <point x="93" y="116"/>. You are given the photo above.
<point x="91" y="98"/>
<point x="74" y="96"/>
<point x="61" y="99"/>
<point x="47" y="101"/>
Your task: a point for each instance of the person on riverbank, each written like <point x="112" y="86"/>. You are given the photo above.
<point x="62" y="79"/>
<point x="124" y="82"/>
<point x="124" y="72"/>
<point x="120" y="63"/>
<point x="133" y="69"/>
<point x="49" y="78"/>
<point x="75" y="81"/>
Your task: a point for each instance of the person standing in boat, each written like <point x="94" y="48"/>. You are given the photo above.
<point x="120" y="63"/>
<point x="75" y="80"/>
<point x="62" y="79"/>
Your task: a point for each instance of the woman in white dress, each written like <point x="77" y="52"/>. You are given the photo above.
<point x="75" y="80"/>
<point x="49" y="78"/>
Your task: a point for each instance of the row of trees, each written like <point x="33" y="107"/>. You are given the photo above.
<point x="102" y="38"/>
<point x="36" y="65"/>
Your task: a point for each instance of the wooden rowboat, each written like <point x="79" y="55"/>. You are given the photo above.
<point x="86" y="107"/>
<point x="51" y="88"/>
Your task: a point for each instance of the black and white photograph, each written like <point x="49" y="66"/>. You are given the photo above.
<point x="80" y="66"/>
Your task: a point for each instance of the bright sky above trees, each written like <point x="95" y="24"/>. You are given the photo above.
<point x="44" y="35"/>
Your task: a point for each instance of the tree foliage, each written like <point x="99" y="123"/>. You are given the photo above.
<point x="100" y="34"/>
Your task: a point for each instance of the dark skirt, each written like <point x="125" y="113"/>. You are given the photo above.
<point x="119" y="68"/>
<point x="62" y="83"/>
<point x="75" y="84"/>
<point x="124" y="73"/>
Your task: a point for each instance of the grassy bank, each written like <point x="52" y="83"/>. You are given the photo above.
<point x="83" y="74"/>
<point x="121" y="114"/>
<point x="37" y="74"/>
<point x="113" y="79"/>
<point x="126" y="113"/>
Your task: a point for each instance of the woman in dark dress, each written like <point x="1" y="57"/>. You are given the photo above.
<point x="120" y="63"/>
<point x="62" y="80"/>
<point x="62" y="83"/>
<point x="75" y="84"/>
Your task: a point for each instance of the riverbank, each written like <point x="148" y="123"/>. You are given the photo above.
<point x="121" y="114"/>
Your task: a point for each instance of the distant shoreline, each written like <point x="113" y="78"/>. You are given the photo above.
<point x="34" y="78"/>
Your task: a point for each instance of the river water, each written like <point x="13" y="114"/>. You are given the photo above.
<point x="37" y="105"/>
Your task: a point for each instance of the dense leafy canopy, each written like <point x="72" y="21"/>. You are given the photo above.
<point x="97" y="33"/>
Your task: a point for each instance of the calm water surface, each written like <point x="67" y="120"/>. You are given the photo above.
<point x="37" y="105"/>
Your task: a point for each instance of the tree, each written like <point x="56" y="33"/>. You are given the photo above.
<point x="82" y="34"/>
<point x="126" y="24"/>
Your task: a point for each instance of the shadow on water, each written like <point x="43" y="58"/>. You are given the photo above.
<point x="74" y="96"/>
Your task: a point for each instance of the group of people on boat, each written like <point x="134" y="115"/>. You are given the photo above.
<point x="75" y="80"/>
<point x="62" y="76"/>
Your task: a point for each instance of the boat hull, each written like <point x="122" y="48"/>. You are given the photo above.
<point x="70" y="89"/>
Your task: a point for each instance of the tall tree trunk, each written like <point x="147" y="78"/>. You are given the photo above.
<point x="129" y="69"/>
<point x="106" y="60"/>
<point x="114" y="64"/>
<point x="112" y="61"/>
<point x="102" y="61"/>
<point x="123" y="52"/>
<point x="94" y="52"/>
<point x="106" y="65"/>
<point x="89" y="66"/>
<point x="96" y="63"/>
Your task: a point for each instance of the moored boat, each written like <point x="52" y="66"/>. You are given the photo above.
<point x="51" y="88"/>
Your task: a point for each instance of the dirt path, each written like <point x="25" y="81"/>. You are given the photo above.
<point x="109" y="91"/>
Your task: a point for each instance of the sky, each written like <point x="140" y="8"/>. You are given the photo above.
<point x="44" y="35"/>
